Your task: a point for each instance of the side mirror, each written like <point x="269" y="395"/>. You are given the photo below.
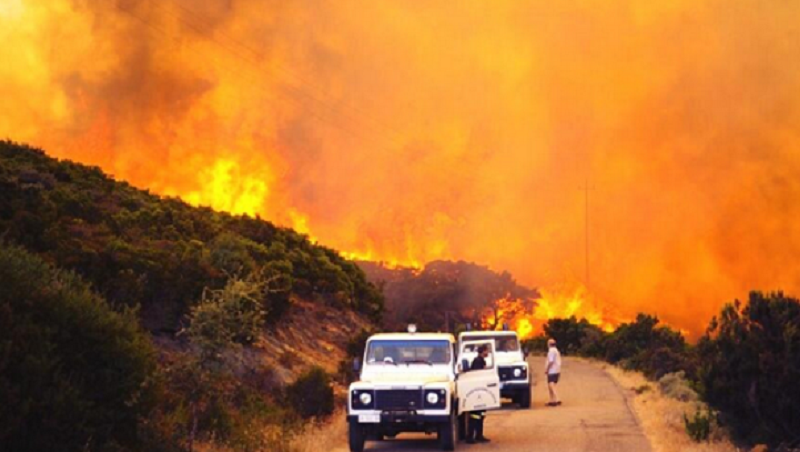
<point x="464" y="365"/>
<point x="356" y="365"/>
<point x="525" y="352"/>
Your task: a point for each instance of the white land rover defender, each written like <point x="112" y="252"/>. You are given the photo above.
<point x="417" y="382"/>
<point x="512" y="366"/>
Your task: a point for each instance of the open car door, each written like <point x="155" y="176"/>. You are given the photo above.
<point x="478" y="390"/>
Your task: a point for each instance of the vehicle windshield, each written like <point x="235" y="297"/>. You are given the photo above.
<point x="502" y="343"/>
<point x="408" y="352"/>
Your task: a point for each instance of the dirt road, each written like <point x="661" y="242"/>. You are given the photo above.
<point x="594" y="417"/>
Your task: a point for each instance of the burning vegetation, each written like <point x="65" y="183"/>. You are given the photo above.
<point x="527" y="317"/>
<point x="445" y="294"/>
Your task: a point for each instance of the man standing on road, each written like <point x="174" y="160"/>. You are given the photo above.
<point x="553" y="371"/>
<point x="476" y="418"/>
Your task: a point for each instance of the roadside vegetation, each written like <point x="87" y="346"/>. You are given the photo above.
<point x="742" y="373"/>
<point x="662" y="409"/>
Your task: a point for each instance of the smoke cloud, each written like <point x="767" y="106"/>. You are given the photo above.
<point x="412" y="131"/>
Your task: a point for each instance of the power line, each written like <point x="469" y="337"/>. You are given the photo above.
<point x="585" y="190"/>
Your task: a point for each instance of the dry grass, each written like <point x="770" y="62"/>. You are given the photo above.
<point x="662" y="416"/>
<point x="326" y="436"/>
<point x="329" y="436"/>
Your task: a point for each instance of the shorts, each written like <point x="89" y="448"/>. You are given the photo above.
<point x="553" y="378"/>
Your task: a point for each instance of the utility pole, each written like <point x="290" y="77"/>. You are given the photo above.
<point x="586" y="189"/>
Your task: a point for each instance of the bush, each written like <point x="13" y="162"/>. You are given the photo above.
<point x="645" y="346"/>
<point x="675" y="386"/>
<point x="73" y="373"/>
<point x="698" y="427"/>
<point x="751" y="366"/>
<point x="233" y="315"/>
<point x="574" y="336"/>
<point x="311" y="395"/>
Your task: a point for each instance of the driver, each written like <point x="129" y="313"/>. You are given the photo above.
<point x="476" y="418"/>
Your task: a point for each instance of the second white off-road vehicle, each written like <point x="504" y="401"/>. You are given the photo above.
<point x="512" y="365"/>
<point x="418" y="382"/>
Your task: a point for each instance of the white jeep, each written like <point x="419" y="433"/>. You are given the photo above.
<point x="417" y="382"/>
<point x="512" y="365"/>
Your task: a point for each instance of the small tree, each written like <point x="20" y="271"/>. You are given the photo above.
<point x="751" y="366"/>
<point x="220" y="325"/>
<point x="311" y="395"/>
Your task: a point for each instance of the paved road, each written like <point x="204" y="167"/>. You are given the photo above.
<point x="594" y="417"/>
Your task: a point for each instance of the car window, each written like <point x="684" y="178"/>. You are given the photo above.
<point x="502" y="343"/>
<point x="408" y="351"/>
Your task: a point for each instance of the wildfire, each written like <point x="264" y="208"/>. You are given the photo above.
<point x="226" y="187"/>
<point x="388" y="262"/>
<point x="527" y="318"/>
<point x="360" y="125"/>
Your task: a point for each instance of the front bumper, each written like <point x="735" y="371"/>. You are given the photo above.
<point x="393" y="423"/>
<point x="393" y="418"/>
<point x="513" y="388"/>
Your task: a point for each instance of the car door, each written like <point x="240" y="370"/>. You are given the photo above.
<point x="478" y="390"/>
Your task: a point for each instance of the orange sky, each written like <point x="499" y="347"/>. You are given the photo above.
<point x="410" y="130"/>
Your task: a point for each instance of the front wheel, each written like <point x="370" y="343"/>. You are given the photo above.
<point x="356" y="437"/>
<point x="447" y="434"/>
<point x="525" y="399"/>
<point x="462" y="427"/>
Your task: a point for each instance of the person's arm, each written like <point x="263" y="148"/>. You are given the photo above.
<point x="549" y="362"/>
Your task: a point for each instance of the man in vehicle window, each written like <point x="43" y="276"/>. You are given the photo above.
<point x="553" y="371"/>
<point x="476" y="418"/>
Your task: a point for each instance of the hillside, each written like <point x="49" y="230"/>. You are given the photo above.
<point x="234" y="330"/>
<point x="138" y="249"/>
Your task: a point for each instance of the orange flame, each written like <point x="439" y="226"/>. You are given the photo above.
<point x="388" y="262"/>
<point x="528" y="321"/>
<point x="228" y="188"/>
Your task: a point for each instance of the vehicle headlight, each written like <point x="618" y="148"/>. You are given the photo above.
<point x="435" y="398"/>
<point x="432" y="398"/>
<point x="517" y="372"/>
<point x="365" y="398"/>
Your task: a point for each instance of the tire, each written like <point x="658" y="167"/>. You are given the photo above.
<point x="447" y="434"/>
<point x="525" y="399"/>
<point x="462" y="427"/>
<point x="356" y="437"/>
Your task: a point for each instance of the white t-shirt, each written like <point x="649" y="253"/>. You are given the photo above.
<point x="554" y="356"/>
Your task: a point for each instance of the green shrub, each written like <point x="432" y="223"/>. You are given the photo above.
<point x="233" y="315"/>
<point x="699" y="426"/>
<point x="751" y="367"/>
<point x="74" y="374"/>
<point x="648" y="347"/>
<point x="311" y="395"/>
<point x="574" y="336"/>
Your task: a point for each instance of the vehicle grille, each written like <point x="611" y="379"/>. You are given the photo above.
<point x="398" y="399"/>
<point x="506" y="373"/>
